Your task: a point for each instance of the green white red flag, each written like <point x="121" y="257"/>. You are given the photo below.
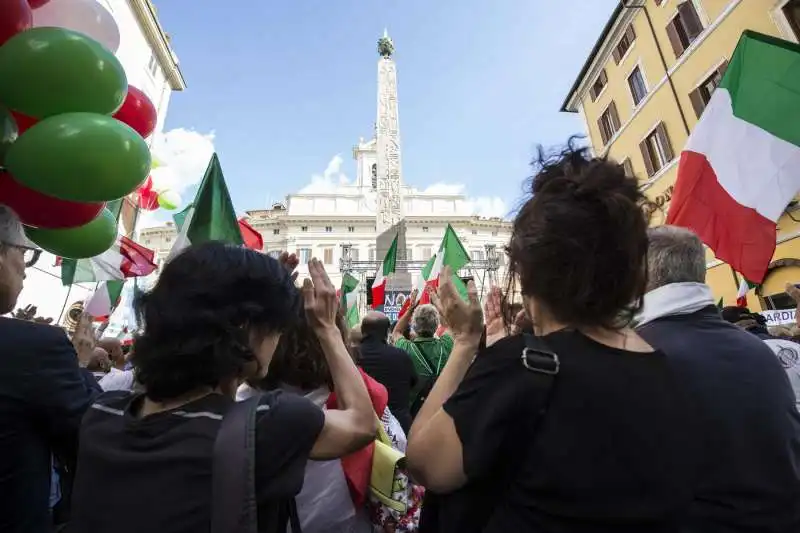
<point x="126" y="259"/>
<point x="349" y="299"/>
<point x="210" y="217"/>
<point x="739" y="168"/>
<point x="386" y="268"/>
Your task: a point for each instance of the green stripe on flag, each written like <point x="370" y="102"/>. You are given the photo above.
<point x="763" y="79"/>
<point x="390" y="261"/>
<point x="214" y="218"/>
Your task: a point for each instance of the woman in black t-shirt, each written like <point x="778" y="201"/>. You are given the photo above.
<point x="613" y="451"/>
<point x="213" y="320"/>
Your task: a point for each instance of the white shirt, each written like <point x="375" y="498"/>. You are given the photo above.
<point x="117" y="380"/>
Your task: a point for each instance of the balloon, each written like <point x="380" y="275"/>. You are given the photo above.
<point x="169" y="200"/>
<point x="138" y="112"/>
<point x="148" y="198"/>
<point x="48" y="71"/>
<point x="88" y="240"/>
<point x="23" y="121"/>
<point x="85" y="16"/>
<point x="15" y="17"/>
<point x="8" y="132"/>
<point x="81" y="157"/>
<point x="35" y="4"/>
<point x="42" y="211"/>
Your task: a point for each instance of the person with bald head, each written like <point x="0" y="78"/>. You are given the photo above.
<point x="390" y="366"/>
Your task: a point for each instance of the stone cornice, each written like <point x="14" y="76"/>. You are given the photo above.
<point x="147" y="18"/>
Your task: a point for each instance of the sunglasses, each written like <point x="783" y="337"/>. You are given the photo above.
<point x="29" y="255"/>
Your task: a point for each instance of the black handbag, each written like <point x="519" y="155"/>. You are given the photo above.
<point x="234" y="508"/>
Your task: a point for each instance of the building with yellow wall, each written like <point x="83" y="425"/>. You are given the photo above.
<point x="644" y="86"/>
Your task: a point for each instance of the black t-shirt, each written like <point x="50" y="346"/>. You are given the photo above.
<point x="154" y="473"/>
<point x="612" y="454"/>
<point x="392" y="368"/>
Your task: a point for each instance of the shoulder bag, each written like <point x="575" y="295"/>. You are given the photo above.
<point x="234" y="508"/>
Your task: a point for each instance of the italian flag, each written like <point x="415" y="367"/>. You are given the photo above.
<point x="381" y="275"/>
<point x="451" y="253"/>
<point x="126" y="259"/>
<point x="210" y="217"/>
<point x="739" y="169"/>
<point x="104" y="300"/>
<point x="349" y="295"/>
<point x="744" y="287"/>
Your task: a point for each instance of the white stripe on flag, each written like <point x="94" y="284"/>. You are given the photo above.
<point x="182" y="241"/>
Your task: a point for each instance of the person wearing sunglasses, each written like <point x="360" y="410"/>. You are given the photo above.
<point x="43" y="395"/>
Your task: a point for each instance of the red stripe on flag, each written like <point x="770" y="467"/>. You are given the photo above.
<point x="251" y="237"/>
<point x="378" y="294"/>
<point x="739" y="235"/>
<point x="136" y="259"/>
<point x="405" y="308"/>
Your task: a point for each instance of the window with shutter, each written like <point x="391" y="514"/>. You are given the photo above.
<point x="624" y="44"/>
<point x="648" y="158"/>
<point x="637" y="86"/>
<point x="656" y="150"/>
<point x="627" y="166"/>
<point x="792" y="12"/>
<point x="684" y="28"/>
<point x="659" y="2"/>
<point x="598" y="85"/>
<point x="665" y="144"/>
<point x="702" y="95"/>
<point x="608" y="123"/>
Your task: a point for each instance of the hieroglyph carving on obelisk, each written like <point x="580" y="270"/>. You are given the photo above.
<point x="389" y="205"/>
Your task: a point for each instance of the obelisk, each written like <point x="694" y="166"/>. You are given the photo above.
<point x="389" y="201"/>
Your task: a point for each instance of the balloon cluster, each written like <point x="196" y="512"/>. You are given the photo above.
<point x="71" y="128"/>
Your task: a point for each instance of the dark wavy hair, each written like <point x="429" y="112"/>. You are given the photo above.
<point x="299" y="361"/>
<point x="579" y="243"/>
<point x="198" y="319"/>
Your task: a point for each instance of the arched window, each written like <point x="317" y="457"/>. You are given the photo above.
<point x="374" y="176"/>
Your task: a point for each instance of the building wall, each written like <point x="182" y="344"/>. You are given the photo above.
<point x="723" y="22"/>
<point x="136" y="55"/>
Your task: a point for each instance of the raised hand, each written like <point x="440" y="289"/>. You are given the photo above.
<point x="289" y="262"/>
<point x="319" y="297"/>
<point x="84" y="339"/>
<point x="465" y="319"/>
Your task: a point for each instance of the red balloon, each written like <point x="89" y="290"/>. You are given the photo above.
<point x="23" y="121"/>
<point x="148" y="198"/>
<point x="37" y="3"/>
<point x="42" y="211"/>
<point x="15" y="16"/>
<point x="138" y="112"/>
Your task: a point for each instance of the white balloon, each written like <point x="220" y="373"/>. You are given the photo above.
<point x="85" y="16"/>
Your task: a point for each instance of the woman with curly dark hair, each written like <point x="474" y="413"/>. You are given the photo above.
<point x="334" y="492"/>
<point x="578" y="426"/>
<point x="213" y="319"/>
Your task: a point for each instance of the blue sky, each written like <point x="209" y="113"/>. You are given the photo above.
<point x="286" y="85"/>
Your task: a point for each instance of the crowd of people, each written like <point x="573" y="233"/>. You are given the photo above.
<point x="612" y="396"/>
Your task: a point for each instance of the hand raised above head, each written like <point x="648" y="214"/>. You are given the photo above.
<point x="464" y="318"/>
<point x="319" y="295"/>
<point x="289" y="262"/>
<point x="493" y="312"/>
<point x="84" y="339"/>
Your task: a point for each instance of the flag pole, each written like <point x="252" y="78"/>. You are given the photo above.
<point x="64" y="306"/>
<point x="735" y="277"/>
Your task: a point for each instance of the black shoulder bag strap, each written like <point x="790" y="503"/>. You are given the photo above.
<point x="233" y="496"/>
<point x="544" y="363"/>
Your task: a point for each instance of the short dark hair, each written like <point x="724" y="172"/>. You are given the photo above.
<point x="579" y="243"/>
<point x="375" y="327"/>
<point x="199" y="317"/>
<point x="299" y="360"/>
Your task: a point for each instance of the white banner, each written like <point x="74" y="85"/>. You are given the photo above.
<point x="779" y="317"/>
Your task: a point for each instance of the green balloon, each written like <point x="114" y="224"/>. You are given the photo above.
<point x="84" y="241"/>
<point x="82" y="157"/>
<point x="47" y="71"/>
<point x="8" y="132"/>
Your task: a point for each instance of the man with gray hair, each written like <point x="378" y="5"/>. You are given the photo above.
<point x="428" y="352"/>
<point x="748" y="427"/>
<point x="43" y="395"/>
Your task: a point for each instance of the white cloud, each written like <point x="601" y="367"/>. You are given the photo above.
<point x="183" y="156"/>
<point x="330" y="180"/>
<point x="485" y="206"/>
<point x="333" y="180"/>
